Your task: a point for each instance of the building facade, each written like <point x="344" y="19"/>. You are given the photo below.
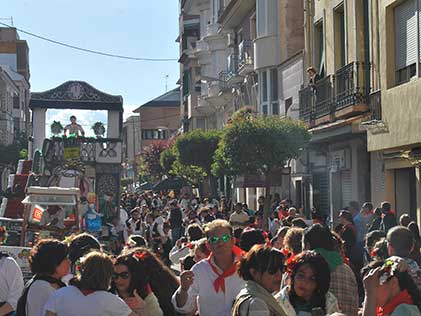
<point x="336" y="101"/>
<point x="14" y="59"/>
<point x="131" y="148"/>
<point x="8" y="93"/>
<point x="393" y="137"/>
<point x="159" y="118"/>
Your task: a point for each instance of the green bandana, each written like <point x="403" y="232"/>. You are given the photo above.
<point x="333" y="258"/>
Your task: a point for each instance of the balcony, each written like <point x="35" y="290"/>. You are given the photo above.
<point x="201" y="47"/>
<point x="245" y="62"/>
<point x="323" y="97"/>
<point x="306" y="103"/>
<point x="375" y="103"/>
<point x="351" y="92"/>
<point x="232" y="70"/>
<point x="338" y="96"/>
<point x="223" y="80"/>
<point x="85" y="149"/>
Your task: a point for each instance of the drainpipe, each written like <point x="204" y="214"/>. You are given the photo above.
<point x="366" y="32"/>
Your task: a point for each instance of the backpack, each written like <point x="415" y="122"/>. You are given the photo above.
<point x="21" y="307"/>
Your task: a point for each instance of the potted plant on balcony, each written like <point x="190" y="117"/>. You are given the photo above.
<point x="98" y="129"/>
<point x="56" y="128"/>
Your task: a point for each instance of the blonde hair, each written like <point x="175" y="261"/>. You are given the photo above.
<point x="218" y="223"/>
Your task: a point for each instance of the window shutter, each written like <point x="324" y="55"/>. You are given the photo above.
<point x="346" y="186"/>
<point x="406" y="32"/>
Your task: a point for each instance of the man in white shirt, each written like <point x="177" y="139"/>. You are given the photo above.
<point x="11" y="281"/>
<point x="53" y="217"/>
<point x="239" y="217"/>
<point x="212" y="284"/>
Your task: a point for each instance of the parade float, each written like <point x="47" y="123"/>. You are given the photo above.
<point x="65" y="168"/>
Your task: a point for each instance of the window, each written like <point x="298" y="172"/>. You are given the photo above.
<point x="16" y="123"/>
<point x="154" y="134"/>
<point x="274" y="91"/>
<point x="288" y="103"/>
<point x="16" y="101"/>
<point x="319" y="48"/>
<point x="267" y="17"/>
<point x="261" y="17"/>
<point x="407" y="32"/>
<point x="340" y="46"/>
<point x="269" y="92"/>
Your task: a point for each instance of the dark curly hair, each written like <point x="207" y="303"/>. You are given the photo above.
<point x="145" y="268"/>
<point x="46" y="256"/>
<point x="321" y="272"/>
<point x="81" y="245"/>
<point x="262" y="258"/>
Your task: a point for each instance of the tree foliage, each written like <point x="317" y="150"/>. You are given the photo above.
<point x="197" y="148"/>
<point x="167" y="159"/>
<point x="259" y="145"/>
<point x="149" y="165"/>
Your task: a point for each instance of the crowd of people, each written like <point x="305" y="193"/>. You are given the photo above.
<point x="186" y="256"/>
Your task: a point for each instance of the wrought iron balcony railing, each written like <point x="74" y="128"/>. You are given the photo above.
<point x="375" y="103"/>
<point x="232" y="68"/>
<point x="245" y="49"/>
<point x="350" y="85"/>
<point x="306" y="103"/>
<point x="223" y="78"/>
<point x="323" y="97"/>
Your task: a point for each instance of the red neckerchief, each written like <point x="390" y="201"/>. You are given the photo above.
<point x="402" y="298"/>
<point x="219" y="283"/>
<point x="351" y="226"/>
<point x="86" y="292"/>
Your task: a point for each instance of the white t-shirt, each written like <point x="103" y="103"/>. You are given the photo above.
<point x="70" y="301"/>
<point x="11" y="281"/>
<point x="38" y="294"/>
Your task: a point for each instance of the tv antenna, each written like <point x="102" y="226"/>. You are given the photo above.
<point x="10" y="20"/>
<point x="166" y="82"/>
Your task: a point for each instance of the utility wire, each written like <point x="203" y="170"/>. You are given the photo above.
<point x="86" y="50"/>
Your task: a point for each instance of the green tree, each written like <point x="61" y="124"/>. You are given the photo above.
<point x="259" y="145"/>
<point x="194" y="152"/>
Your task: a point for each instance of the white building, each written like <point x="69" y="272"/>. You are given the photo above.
<point x="8" y="95"/>
<point x="131" y="146"/>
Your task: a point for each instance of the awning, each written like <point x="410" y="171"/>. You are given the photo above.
<point x="50" y="199"/>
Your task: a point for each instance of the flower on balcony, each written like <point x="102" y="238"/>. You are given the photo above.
<point x="98" y="128"/>
<point x="56" y="128"/>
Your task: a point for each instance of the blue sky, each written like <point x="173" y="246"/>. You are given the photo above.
<point x="139" y="28"/>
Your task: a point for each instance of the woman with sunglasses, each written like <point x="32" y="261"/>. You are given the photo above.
<point x="308" y="293"/>
<point x="131" y="284"/>
<point x="390" y="289"/>
<point x="151" y="279"/>
<point x="262" y="270"/>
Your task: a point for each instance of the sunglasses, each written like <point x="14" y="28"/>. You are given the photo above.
<point x="123" y="275"/>
<point x="215" y="239"/>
